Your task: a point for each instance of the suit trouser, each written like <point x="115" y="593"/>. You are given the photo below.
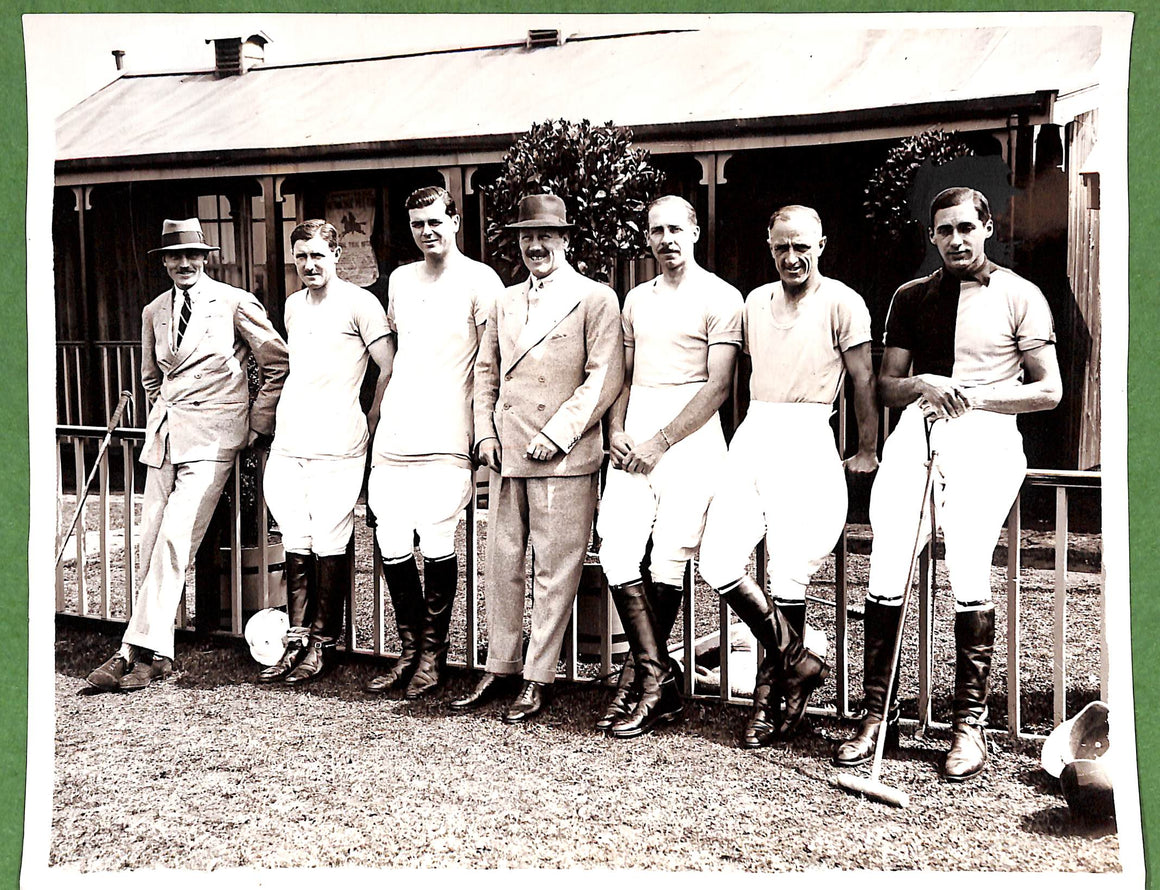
<point x="977" y="474"/>
<point x="668" y="504"/>
<point x="783" y="479"/>
<point x="178" y="504"/>
<point x="554" y="513"/>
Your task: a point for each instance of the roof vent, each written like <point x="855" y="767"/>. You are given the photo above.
<point x="233" y="55"/>
<point x="544" y="37"/>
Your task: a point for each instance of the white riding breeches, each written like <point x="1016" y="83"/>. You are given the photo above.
<point x="669" y="504"/>
<point x="979" y="467"/>
<point x="783" y="479"/>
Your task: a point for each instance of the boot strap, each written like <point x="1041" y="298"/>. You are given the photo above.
<point x="297" y="637"/>
<point x="979" y="721"/>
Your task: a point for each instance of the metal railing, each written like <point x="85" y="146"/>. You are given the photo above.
<point x="116" y="364"/>
<point x="94" y="597"/>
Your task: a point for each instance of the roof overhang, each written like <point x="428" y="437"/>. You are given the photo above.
<point x="726" y="135"/>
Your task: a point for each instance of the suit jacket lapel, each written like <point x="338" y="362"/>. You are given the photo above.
<point x="198" y="324"/>
<point x="564" y="299"/>
<point x="163" y="346"/>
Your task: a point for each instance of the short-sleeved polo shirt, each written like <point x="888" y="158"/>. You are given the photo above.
<point x="319" y="415"/>
<point x="670" y="332"/>
<point x="426" y="411"/>
<point x="800" y="360"/>
<point x="972" y="331"/>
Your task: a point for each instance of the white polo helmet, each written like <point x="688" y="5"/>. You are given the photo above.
<point x="1077" y="752"/>
<point x="1083" y="737"/>
<point x="264" y="633"/>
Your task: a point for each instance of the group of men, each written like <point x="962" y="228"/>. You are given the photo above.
<point x="520" y="379"/>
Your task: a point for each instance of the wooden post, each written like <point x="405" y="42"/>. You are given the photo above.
<point x="1014" y="559"/>
<point x="1059" y="668"/>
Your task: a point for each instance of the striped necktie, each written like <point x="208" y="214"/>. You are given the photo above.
<point x="183" y="319"/>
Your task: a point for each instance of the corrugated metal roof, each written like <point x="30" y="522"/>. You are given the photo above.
<point x="644" y="80"/>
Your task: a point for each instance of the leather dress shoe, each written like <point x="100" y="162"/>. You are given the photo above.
<point x="146" y="670"/>
<point x="527" y="704"/>
<point x="489" y="688"/>
<point x="109" y="674"/>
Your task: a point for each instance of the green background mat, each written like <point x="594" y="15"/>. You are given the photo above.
<point x="1143" y="373"/>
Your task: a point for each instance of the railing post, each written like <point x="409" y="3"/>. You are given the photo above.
<point x="236" y="551"/>
<point x="761" y="577"/>
<point x="1014" y="560"/>
<point x="841" y="629"/>
<point x="925" y="656"/>
<point x="379" y="611"/>
<point x="606" y="612"/>
<point x="1059" y="669"/>
<point x="351" y="594"/>
<point x="263" y="534"/>
<point x="103" y="532"/>
<point x="59" y="530"/>
<point x="471" y="581"/>
<point x="127" y="524"/>
<point x="725" y="647"/>
<point x="690" y="629"/>
<point x="79" y="469"/>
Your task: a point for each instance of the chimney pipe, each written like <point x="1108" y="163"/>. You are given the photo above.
<point x="119" y="58"/>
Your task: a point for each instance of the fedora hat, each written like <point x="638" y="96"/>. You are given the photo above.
<point x="541" y="212"/>
<point x="182" y="234"/>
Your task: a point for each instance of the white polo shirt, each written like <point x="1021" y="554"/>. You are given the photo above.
<point x="670" y="332"/>
<point x="319" y="415"/>
<point x="798" y="357"/>
<point x="426" y="409"/>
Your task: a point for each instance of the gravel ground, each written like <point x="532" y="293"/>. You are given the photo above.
<point x="211" y="771"/>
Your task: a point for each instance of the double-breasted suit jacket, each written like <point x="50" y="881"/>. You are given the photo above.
<point x="199" y="418"/>
<point x="556" y="376"/>
<point x="199" y="394"/>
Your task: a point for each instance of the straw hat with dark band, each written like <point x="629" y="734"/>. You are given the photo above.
<point x="182" y="234"/>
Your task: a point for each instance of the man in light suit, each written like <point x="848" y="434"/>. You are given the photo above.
<point x="195" y="341"/>
<point x="550" y="365"/>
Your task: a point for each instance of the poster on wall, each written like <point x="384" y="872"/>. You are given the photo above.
<point x="353" y="214"/>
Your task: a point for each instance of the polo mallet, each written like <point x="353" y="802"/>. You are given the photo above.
<point x="872" y="787"/>
<point x="125" y="401"/>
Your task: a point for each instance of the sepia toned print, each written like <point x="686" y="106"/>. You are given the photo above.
<point x="718" y="704"/>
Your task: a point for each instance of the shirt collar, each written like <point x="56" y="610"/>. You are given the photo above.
<point x="539" y="284"/>
<point x="195" y="292"/>
<point x="982" y="275"/>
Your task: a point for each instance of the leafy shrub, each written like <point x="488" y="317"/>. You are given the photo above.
<point x="605" y="182"/>
<point x="887" y="200"/>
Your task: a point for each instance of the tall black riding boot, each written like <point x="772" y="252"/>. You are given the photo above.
<point x="660" y="700"/>
<point x="881" y="629"/>
<point x="299" y="577"/>
<point x="974" y="646"/>
<point x="406" y="592"/>
<point x="788" y="671"/>
<point x="440" y="578"/>
<point x="333" y="592"/>
<point x="665" y="602"/>
<point x="749" y="603"/>
<point x="796" y="616"/>
<point x="624" y="699"/>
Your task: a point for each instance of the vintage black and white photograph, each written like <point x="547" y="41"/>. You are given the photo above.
<point x="684" y="444"/>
